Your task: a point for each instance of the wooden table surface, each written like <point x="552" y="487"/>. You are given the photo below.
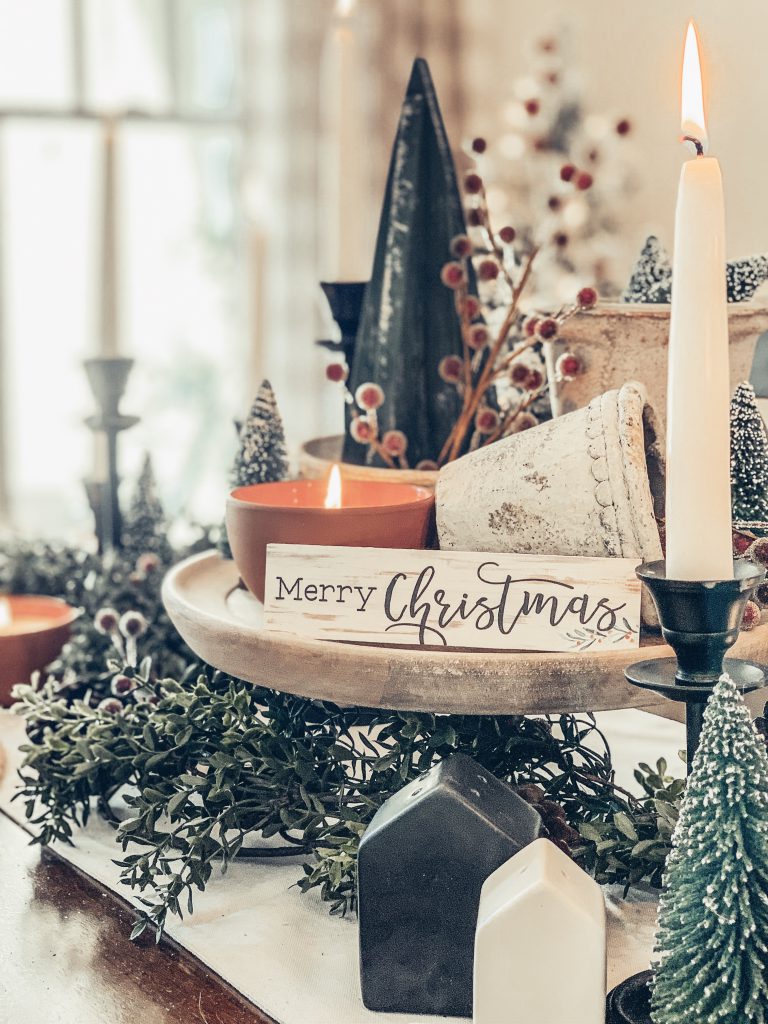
<point x="65" y="955"/>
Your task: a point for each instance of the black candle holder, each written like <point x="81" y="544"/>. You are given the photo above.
<point x="700" y="620"/>
<point x="345" y="299"/>
<point x="108" y="378"/>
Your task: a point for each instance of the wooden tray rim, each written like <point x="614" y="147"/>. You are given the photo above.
<point x="450" y="681"/>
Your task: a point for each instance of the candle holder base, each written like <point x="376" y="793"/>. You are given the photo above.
<point x="630" y="1001"/>
<point x="659" y="674"/>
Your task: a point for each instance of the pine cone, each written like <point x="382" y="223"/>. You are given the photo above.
<point x="553" y="818"/>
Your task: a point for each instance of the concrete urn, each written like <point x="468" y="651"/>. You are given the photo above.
<point x="614" y="342"/>
<point x="590" y="483"/>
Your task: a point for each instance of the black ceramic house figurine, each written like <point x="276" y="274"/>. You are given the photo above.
<point x="422" y="863"/>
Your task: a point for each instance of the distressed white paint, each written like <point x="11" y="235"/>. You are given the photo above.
<point x="453" y="598"/>
<point x="586" y="484"/>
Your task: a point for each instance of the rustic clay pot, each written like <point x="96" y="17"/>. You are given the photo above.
<point x="587" y="484"/>
<point x="375" y="515"/>
<point x="626" y="341"/>
<point x="317" y="456"/>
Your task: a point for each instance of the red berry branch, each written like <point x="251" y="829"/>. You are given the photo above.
<point x="488" y="361"/>
<point x="500" y="373"/>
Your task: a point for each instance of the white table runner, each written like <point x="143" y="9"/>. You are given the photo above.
<point x="283" y="950"/>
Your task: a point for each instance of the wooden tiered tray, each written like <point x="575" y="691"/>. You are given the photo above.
<point x="222" y="623"/>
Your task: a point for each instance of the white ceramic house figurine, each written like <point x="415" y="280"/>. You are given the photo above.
<point x="540" y="942"/>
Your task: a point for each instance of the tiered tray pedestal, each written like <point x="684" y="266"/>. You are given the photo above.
<point x="223" y="624"/>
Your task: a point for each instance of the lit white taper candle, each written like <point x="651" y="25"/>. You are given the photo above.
<point x="698" y="513"/>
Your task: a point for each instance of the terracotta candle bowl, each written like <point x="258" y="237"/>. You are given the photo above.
<point x="32" y="632"/>
<point x="373" y="515"/>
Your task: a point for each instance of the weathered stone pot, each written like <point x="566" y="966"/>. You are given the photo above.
<point x="317" y="456"/>
<point x="590" y="483"/>
<point x="623" y="341"/>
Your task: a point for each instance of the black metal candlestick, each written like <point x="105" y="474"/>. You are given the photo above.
<point x="345" y="299"/>
<point x="700" y="621"/>
<point x="108" y="377"/>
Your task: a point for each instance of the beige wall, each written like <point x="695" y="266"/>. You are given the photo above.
<point x="629" y="56"/>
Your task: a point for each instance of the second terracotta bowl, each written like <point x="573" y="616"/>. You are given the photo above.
<point x="375" y="515"/>
<point x="30" y="651"/>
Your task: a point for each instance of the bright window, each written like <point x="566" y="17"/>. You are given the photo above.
<point x="169" y="72"/>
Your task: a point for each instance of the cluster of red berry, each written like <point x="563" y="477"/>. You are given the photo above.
<point x="368" y="398"/>
<point x="756" y="550"/>
<point x="124" y="631"/>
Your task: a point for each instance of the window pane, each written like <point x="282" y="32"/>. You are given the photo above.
<point x="209" y="46"/>
<point x="35" y="53"/>
<point x="48" y="324"/>
<point x="126" y="54"/>
<point x="184" y="308"/>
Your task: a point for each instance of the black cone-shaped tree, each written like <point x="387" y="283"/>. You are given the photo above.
<point x="409" y="323"/>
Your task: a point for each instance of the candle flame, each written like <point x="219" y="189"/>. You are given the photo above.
<point x="345" y="8"/>
<point x="693" y="121"/>
<point x="333" y="493"/>
<point x="5" y="612"/>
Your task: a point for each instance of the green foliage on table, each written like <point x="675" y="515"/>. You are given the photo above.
<point x="712" y="943"/>
<point x="210" y="766"/>
<point x="118" y="580"/>
<point x="630" y="845"/>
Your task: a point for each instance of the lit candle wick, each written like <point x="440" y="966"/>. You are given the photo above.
<point x="697" y="143"/>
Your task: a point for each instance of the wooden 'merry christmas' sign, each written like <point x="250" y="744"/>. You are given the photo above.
<point x="453" y="598"/>
<point x="409" y="323"/>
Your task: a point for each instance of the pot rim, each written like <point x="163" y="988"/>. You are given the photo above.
<point x="67" y="613"/>
<point x="661" y="310"/>
<point x="424" y="497"/>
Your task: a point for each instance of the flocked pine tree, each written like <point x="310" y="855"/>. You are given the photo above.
<point x="145" y="525"/>
<point x="261" y="457"/>
<point x="749" y="458"/>
<point x="712" y="939"/>
<point x="651" y="279"/>
<point x="651" y="275"/>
